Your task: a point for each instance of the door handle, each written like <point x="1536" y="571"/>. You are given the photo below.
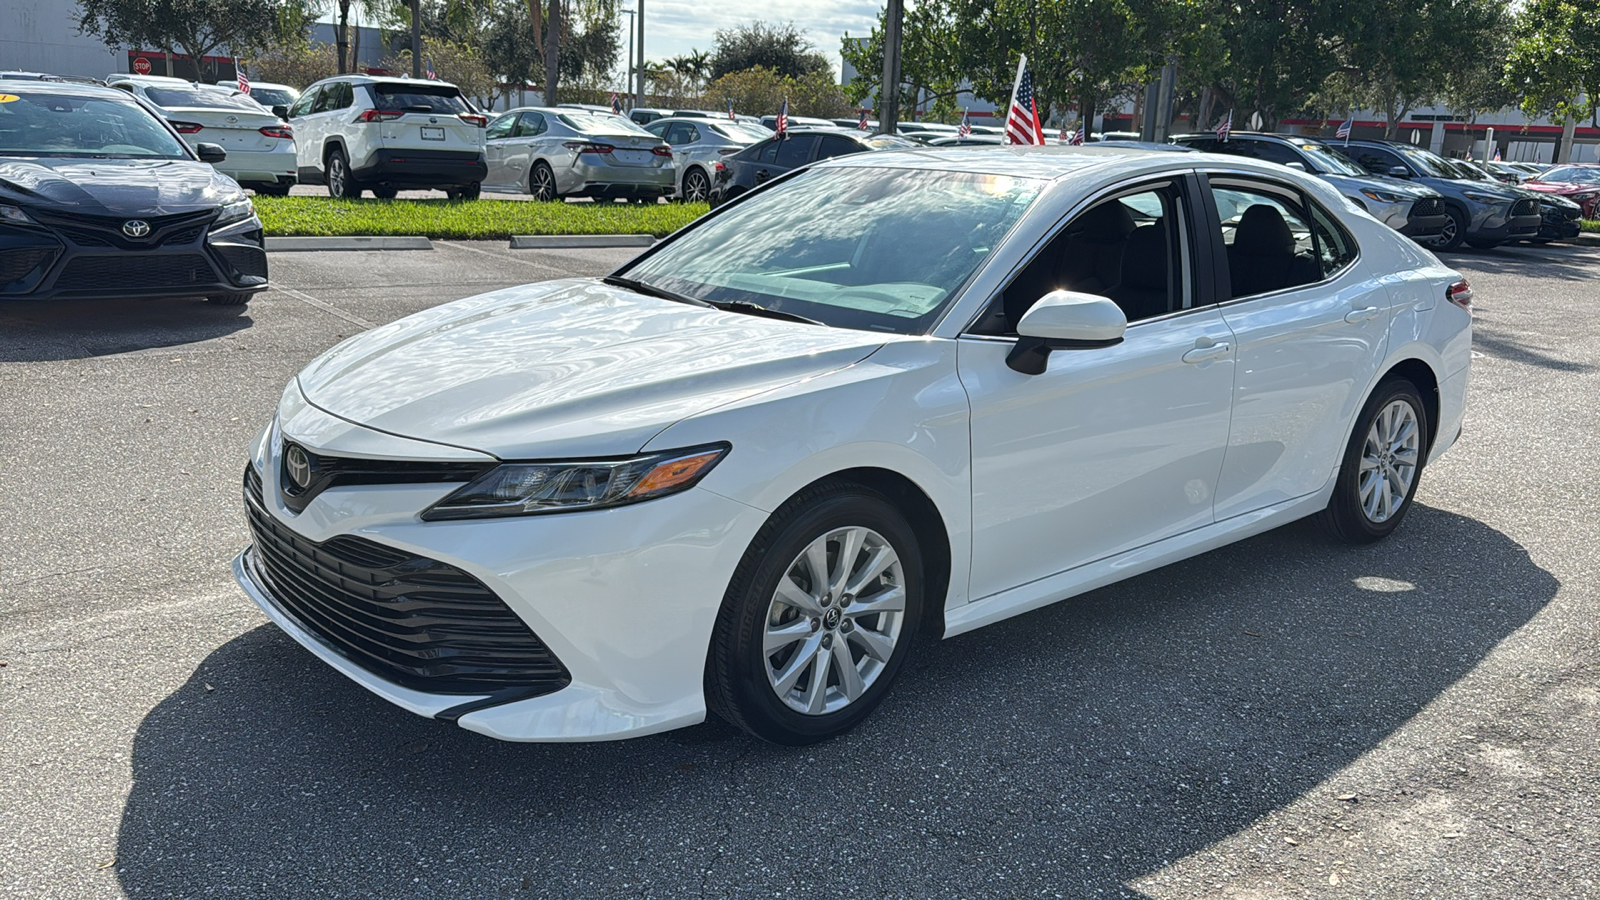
<point x="1207" y="353"/>
<point x="1363" y="314"/>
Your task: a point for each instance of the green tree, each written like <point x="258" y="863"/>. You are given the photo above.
<point x="759" y="91"/>
<point x="1554" y="62"/>
<point x="195" y="28"/>
<point x="781" y="48"/>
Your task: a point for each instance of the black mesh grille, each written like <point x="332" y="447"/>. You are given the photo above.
<point x="110" y="273"/>
<point x="16" y="264"/>
<point x="186" y="236"/>
<point x="1428" y="206"/>
<point x="84" y="238"/>
<point x="1525" y="208"/>
<point x="245" y="260"/>
<point x="412" y="620"/>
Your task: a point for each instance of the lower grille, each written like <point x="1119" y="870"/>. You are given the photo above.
<point x="16" y="265"/>
<point x="1525" y="208"/>
<point x="415" y="621"/>
<point x="1428" y="206"/>
<point x="245" y="260"/>
<point x="111" y="273"/>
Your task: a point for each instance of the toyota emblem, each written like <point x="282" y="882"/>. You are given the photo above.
<point x="231" y="120"/>
<point x="136" y="228"/>
<point x="298" y="465"/>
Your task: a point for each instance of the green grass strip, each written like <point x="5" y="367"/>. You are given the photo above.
<point x="478" y="220"/>
<point x="1590" y="225"/>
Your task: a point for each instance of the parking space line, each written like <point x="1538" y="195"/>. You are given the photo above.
<point x="526" y="262"/>
<point x="325" y="307"/>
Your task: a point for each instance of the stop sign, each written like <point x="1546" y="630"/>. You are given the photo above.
<point x="141" y="65"/>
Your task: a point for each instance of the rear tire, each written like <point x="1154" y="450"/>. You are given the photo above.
<point x="1382" y="465"/>
<point x="230" y="299"/>
<point x="385" y="193"/>
<point x="799" y="656"/>
<point x="466" y="192"/>
<point x="341" y="183"/>
<point x="696" y="186"/>
<point x="542" y="183"/>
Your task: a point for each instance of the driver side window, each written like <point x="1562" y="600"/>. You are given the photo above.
<point x="1128" y="249"/>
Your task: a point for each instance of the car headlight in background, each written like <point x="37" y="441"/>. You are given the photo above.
<point x="522" y="489"/>
<point x="1586" y="196"/>
<point x="15" y="215"/>
<point x="1380" y="196"/>
<point x="1485" y="198"/>
<point x="1557" y="200"/>
<point x="237" y="211"/>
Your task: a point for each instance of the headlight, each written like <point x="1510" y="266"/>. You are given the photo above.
<point x="15" y="215"/>
<point x="1486" y="198"/>
<point x="522" y="489"/>
<point x="1380" y="196"/>
<point x="1584" y="197"/>
<point x="236" y="211"/>
<point x="1556" y="200"/>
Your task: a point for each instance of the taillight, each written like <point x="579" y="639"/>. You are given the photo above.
<point x="1460" y="294"/>
<point x="186" y="127"/>
<point x="380" y="115"/>
<point x="662" y="150"/>
<point x="475" y="119"/>
<point x="720" y="168"/>
<point x="725" y="151"/>
<point x="278" y="131"/>
<point x="587" y="147"/>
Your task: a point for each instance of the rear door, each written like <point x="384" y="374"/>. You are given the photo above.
<point x="429" y="117"/>
<point x="529" y="140"/>
<point x="793" y="152"/>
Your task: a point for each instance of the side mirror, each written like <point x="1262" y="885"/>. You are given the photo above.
<point x="1399" y="172"/>
<point x="211" y="153"/>
<point x="1297" y="166"/>
<point x="281" y="112"/>
<point x="1065" y="320"/>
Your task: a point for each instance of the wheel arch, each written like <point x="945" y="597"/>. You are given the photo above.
<point x="1424" y="378"/>
<point x="328" y="146"/>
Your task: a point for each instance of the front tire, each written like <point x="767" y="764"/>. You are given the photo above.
<point x="229" y="299"/>
<point x="1454" y="232"/>
<point x="819" y="617"/>
<point x="340" y="182"/>
<point x="1382" y="465"/>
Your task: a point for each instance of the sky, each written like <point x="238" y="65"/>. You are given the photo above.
<point x="673" y="27"/>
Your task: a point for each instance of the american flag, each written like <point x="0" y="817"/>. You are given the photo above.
<point x="1022" y="120"/>
<point x="1225" y="127"/>
<point x="966" y="126"/>
<point x="616" y="103"/>
<point x="1344" y="128"/>
<point x="731" y="116"/>
<point x="783" y="117"/>
<point x="1077" y="136"/>
<point x="428" y="69"/>
<point x="863" y="123"/>
<point x="244" y="80"/>
<point x="1496" y="152"/>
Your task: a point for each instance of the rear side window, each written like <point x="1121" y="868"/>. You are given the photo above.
<point x="1335" y="247"/>
<point x="796" y="151"/>
<point x="766" y="153"/>
<point x="532" y="125"/>
<point x="421" y="98"/>
<point x="1271" y="151"/>
<point x="833" y="145"/>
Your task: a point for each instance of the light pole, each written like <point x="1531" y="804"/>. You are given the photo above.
<point x="889" y="88"/>
<point x="627" y="75"/>
<point x="638" y="96"/>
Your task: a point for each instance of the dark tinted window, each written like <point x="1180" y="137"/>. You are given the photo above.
<point x="1373" y="159"/>
<point x="833" y="145"/>
<point x="1335" y="247"/>
<point x="765" y="153"/>
<point x="796" y="151"/>
<point x="418" y="98"/>
<point x="1267" y="237"/>
<point x="1272" y="151"/>
<point x="532" y="124"/>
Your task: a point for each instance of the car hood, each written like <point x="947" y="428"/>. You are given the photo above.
<point x="1460" y="185"/>
<point x="116" y="187"/>
<point x="1561" y="187"/>
<point x="1395" y="186"/>
<point x="572" y="368"/>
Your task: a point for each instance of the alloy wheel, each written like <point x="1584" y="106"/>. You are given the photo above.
<point x="336" y="175"/>
<point x="1389" y="461"/>
<point x="544" y="183"/>
<point x="695" y="187"/>
<point x="834" y="620"/>
<point x="1445" y="237"/>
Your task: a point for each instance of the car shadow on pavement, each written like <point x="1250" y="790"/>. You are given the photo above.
<point x="38" y="331"/>
<point x="1540" y="262"/>
<point x="1066" y="752"/>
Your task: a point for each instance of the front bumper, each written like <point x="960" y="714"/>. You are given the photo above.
<point x="82" y="257"/>
<point x="423" y="169"/>
<point x="1496" y="224"/>
<point x="626" y="598"/>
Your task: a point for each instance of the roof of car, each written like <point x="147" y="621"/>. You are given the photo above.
<point x="1257" y="135"/>
<point x="387" y="79"/>
<point x="152" y="79"/>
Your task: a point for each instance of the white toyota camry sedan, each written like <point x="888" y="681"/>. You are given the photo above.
<point x="899" y="392"/>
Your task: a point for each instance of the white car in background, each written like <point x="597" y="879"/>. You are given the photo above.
<point x="260" y="147"/>
<point x="698" y="145"/>
<point x="888" y="393"/>
<point x="269" y="95"/>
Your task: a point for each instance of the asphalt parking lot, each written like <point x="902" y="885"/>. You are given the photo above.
<point x="1280" y="718"/>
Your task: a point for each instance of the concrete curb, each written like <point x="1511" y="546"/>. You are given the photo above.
<point x="578" y="241"/>
<point x="301" y="244"/>
<point x="1588" y="238"/>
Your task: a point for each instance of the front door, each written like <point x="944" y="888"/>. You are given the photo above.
<point x="1112" y="448"/>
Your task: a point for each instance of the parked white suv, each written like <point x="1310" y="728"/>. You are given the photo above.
<point x="358" y="132"/>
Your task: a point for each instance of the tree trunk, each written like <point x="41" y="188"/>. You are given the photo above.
<point x="341" y="33"/>
<point x="552" y="45"/>
<point x="1086" y="101"/>
<point x="536" y="16"/>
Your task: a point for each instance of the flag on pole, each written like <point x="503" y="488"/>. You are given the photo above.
<point x="966" y="126"/>
<point x="731" y="116"/>
<point x="1022" y="118"/>
<point x="783" y="118"/>
<point x="616" y="103"/>
<point x="863" y="123"/>
<point x="1225" y="128"/>
<point x="1077" y="136"/>
<point x="427" y="69"/>
<point x="1344" y="128"/>
<point x="244" y="80"/>
<point x="1496" y="152"/>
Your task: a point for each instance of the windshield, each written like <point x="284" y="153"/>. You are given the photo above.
<point x="879" y="249"/>
<point x="206" y="98"/>
<point x="601" y="123"/>
<point x="1575" y="174"/>
<point x="419" y="98"/>
<point x="747" y="133"/>
<point x="1330" y="160"/>
<point x="64" y="125"/>
<point x="1435" y="166"/>
<point x="270" y="97"/>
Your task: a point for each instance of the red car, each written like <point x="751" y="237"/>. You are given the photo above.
<point x="1578" y="182"/>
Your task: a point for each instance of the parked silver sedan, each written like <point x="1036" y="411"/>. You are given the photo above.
<point x="555" y="153"/>
<point x="698" y="144"/>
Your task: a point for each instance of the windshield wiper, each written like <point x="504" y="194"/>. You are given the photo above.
<point x="756" y="309"/>
<point x="633" y="284"/>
